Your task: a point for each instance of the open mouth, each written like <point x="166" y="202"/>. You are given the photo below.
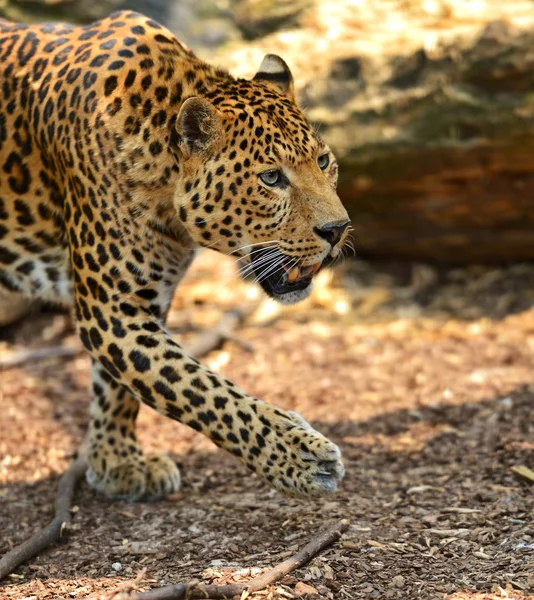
<point x="296" y="274"/>
<point x="286" y="277"/>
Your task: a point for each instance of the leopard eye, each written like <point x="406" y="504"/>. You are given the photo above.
<point x="323" y="161"/>
<point x="271" y="178"/>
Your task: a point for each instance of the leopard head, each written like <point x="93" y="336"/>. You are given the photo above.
<point x="258" y="182"/>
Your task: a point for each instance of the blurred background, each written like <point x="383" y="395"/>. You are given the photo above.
<point x="415" y="354"/>
<point x="427" y="104"/>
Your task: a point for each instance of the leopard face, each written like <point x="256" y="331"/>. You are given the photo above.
<point x="259" y="183"/>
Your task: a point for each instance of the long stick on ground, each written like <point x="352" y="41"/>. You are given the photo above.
<point x="22" y="357"/>
<point x="53" y="531"/>
<point x="218" y="592"/>
<point x="205" y="342"/>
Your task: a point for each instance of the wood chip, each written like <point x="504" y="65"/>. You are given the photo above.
<point x="523" y="472"/>
<point x="450" y="533"/>
<point x="301" y="589"/>
<point x="419" y="489"/>
<point x="460" y="511"/>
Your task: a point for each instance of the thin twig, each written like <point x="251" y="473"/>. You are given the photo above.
<point x="17" y="359"/>
<point x="54" y="530"/>
<point x="213" y="337"/>
<point x="215" y="592"/>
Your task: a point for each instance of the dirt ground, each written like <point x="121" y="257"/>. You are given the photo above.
<point x="424" y="378"/>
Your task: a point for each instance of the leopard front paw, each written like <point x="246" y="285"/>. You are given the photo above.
<point x="138" y="479"/>
<point x="293" y="457"/>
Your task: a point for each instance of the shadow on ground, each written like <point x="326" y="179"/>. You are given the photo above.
<point x="434" y="509"/>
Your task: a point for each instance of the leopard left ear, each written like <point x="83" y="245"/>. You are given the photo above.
<point x="197" y="127"/>
<point x="274" y="71"/>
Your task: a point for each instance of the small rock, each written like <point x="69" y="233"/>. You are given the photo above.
<point x="506" y="403"/>
<point x="398" y="581"/>
<point x="419" y="489"/>
<point x="301" y="589"/>
<point x="116" y="566"/>
<point x="218" y="562"/>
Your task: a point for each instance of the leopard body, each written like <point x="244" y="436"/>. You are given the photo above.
<point x="121" y="153"/>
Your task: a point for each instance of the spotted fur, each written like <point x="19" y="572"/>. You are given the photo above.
<point x="120" y="154"/>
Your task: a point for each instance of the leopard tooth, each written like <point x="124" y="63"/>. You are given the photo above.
<point x="293" y="275"/>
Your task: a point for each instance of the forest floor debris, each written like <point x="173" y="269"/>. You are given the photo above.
<point x="426" y="384"/>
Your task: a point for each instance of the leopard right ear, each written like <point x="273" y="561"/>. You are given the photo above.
<point x="274" y="71"/>
<point x="197" y="126"/>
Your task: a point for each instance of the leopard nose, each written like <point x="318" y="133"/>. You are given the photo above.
<point x="332" y="232"/>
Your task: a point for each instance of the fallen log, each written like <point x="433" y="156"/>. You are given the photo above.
<point x="453" y="181"/>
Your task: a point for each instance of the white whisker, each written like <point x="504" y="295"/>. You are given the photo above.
<point x="272" y="269"/>
<point x="255" y="244"/>
<point x="269" y="255"/>
<point x="274" y="262"/>
<point x="249" y="255"/>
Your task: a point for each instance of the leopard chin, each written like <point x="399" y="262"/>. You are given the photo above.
<point x="294" y="296"/>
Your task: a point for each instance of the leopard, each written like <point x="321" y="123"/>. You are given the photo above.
<point x="122" y="155"/>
